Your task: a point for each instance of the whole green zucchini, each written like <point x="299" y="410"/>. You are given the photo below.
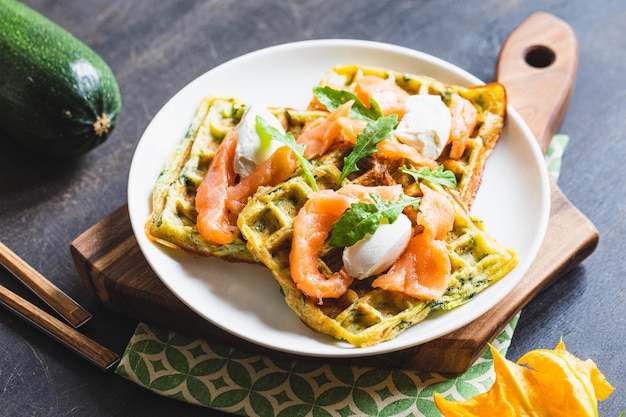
<point x="57" y="96"/>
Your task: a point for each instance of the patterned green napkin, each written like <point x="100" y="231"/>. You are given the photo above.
<point x="244" y="383"/>
<point x="554" y="155"/>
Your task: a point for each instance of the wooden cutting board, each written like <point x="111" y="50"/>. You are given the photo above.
<point x="537" y="65"/>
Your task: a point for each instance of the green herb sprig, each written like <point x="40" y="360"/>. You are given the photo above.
<point x="438" y="176"/>
<point x="332" y="99"/>
<point x="366" y="141"/>
<point x="378" y="128"/>
<point x="267" y="133"/>
<point x="364" y="218"/>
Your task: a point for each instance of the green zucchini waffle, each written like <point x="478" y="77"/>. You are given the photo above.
<point x="364" y="315"/>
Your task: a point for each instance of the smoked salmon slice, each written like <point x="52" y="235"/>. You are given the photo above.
<point x="423" y="269"/>
<point x="391" y="148"/>
<point x="322" y="133"/>
<point x="362" y="192"/>
<point x="394" y="149"/>
<point x="464" y="119"/>
<point x="387" y="94"/>
<point x="436" y="213"/>
<point x="219" y="200"/>
<point x="215" y="222"/>
<point x="273" y="171"/>
<point x="311" y="228"/>
<point x="350" y="128"/>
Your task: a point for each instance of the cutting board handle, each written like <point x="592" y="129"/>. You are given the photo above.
<point x="537" y="65"/>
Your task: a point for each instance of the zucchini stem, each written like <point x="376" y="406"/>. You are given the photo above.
<point x="102" y="124"/>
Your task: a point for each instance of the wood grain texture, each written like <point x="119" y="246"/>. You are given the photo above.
<point x="112" y="267"/>
<point x="68" y="336"/>
<point x="538" y="64"/>
<point x="60" y="302"/>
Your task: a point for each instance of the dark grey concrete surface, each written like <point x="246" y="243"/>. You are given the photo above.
<point x="155" y="48"/>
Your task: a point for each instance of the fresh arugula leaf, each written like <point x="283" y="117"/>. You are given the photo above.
<point x="332" y="99"/>
<point x="363" y="218"/>
<point x="377" y="129"/>
<point x="438" y="176"/>
<point x="366" y="141"/>
<point x="268" y="133"/>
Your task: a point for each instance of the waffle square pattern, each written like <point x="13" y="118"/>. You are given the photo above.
<point x="274" y="216"/>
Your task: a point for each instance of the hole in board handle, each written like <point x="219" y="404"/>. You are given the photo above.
<point x="539" y="56"/>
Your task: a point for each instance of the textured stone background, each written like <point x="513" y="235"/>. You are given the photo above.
<point x="155" y="48"/>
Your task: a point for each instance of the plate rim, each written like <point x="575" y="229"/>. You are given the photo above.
<point x="385" y="347"/>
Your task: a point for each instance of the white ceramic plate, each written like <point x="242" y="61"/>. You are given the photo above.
<point x="244" y="299"/>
